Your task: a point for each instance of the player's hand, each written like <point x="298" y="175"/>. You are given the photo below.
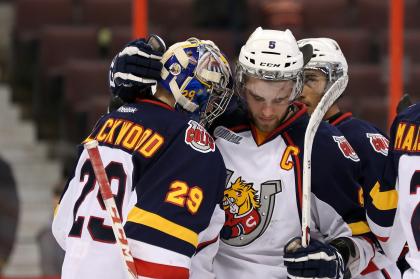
<point x="137" y="67"/>
<point x="318" y="260"/>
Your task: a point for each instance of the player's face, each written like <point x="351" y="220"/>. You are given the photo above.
<point x="315" y="83"/>
<point x="267" y="101"/>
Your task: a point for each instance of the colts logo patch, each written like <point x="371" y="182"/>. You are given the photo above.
<point x="346" y="148"/>
<point x="379" y="143"/>
<point x="198" y="138"/>
<point x="247" y="213"/>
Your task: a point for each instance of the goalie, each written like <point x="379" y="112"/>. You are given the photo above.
<point x="165" y="172"/>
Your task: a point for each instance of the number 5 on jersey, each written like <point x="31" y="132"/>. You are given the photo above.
<point x="181" y="195"/>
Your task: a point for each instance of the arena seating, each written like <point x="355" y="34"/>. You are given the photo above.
<point x="106" y="12"/>
<point x="64" y="33"/>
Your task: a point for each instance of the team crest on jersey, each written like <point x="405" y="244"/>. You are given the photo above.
<point x="247" y="215"/>
<point x="198" y="138"/>
<point x="379" y="143"/>
<point x="346" y="148"/>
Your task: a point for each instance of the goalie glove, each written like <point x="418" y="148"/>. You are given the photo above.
<point x="318" y="260"/>
<point x="136" y="68"/>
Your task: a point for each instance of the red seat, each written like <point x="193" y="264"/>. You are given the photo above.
<point x="373" y="14"/>
<point x="411" y="14"/>
<point x="31" y="15"/>
<point x="374" y="110"/>
<point x="107" y="12"/>
<point x="85" y="79"/>
<point x="171" y="14"/>
<point x="59" y="44"/>
<point x="326" y="14"/>
<point x="356" y="44"/>
<point x="412" y="45"/>
<point x="366" y="80"/>
<point x="413" y="85"/>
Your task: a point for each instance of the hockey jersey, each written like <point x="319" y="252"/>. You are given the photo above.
<point x="371" y="145"/>
<point x="263" y="196"/>
<point x="168" y="179"/>
<point x="402" y="174"/>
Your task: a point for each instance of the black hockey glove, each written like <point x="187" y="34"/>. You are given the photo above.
<point x="318" y="260"/>
<point x="137" y="67"/>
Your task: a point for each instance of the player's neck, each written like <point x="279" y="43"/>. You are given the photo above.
<point x="332" y="111"/>
<point x="164" y="96"/>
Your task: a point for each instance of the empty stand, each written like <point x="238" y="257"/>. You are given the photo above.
<point x="356" y="44"/>
<point x="32" y="15"/>
<point x="411" y="14"/>
<point x="326" y="14"/>
<point x="85" y="86"/>
<point x="365" y="81"/>
<point x="171" y="14"/>
<point x="413" y="83"/>
<point x="106" y="12"/>
<point x="374" y="110"/>
<point x="412" y="45"/>
<point x="372" y="14"/>
<point x="120" y="37"/>
<point x="59" y="44"/>
<point x="85" y="79"/>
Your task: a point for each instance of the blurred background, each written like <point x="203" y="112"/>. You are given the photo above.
<point x="54" y="59"/>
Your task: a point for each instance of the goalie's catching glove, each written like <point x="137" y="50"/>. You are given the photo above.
<point x="136" y="68"/>
<point x="318" y="260"/>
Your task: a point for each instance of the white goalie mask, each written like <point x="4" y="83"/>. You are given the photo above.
<point x="272" y="55"/>
<point x="327" y="57"/>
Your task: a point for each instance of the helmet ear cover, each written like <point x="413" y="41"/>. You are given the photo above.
<point x="199" y="77"/>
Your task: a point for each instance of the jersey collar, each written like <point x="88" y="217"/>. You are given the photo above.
<point x="339" y="117"/>
<point x="155" y="102"/>
<point x="299" y="114"/>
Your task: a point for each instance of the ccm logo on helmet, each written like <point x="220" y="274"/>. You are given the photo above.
<point x="269" y="64"/>
<point x="198" y="138"/>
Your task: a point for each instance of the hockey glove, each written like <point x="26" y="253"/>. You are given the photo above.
<point x="137" y="67"/>
<point x="318" y="260"/>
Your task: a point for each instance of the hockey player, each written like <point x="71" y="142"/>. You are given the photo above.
<point x="371" y="145"/>
<point x="402" y="174"/>
<point x="164" y="169"/>
<point x="262" y="146"/>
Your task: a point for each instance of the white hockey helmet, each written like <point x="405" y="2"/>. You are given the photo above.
<point x="327" y="57"/>
<point x="272" y="55"/>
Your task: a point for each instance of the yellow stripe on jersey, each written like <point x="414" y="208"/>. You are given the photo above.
<point x="385" y="200"/>
<point x="359" y="228"/>
<point x="164" y="225"/>
<point x="56" y="209"/>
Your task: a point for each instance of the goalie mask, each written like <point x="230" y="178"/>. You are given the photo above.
<point x="199" y="77"/>
<point x="274" y="56"/>
<point x="327" y="57"/>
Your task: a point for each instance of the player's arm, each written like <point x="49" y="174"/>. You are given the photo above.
<point x="177" y="204"/>
<point x="342" y="246"/>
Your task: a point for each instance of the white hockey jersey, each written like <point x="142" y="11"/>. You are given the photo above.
<point x="263" y="197"/>
<point x="402" y="174"/>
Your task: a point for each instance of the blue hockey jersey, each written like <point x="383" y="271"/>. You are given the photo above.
<point x="398" y="188"/>
<point x="168" y="179"/>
